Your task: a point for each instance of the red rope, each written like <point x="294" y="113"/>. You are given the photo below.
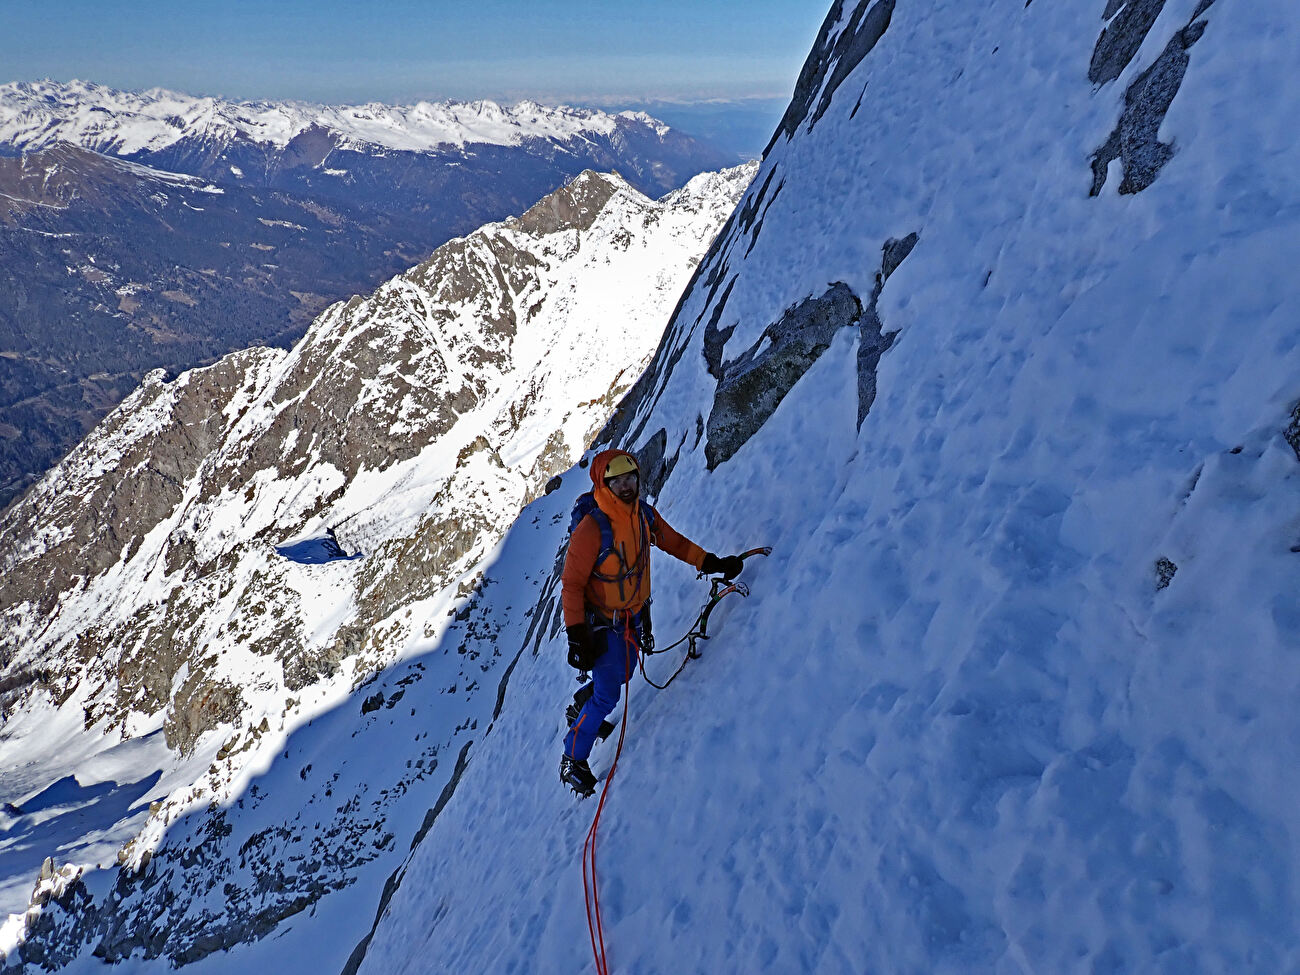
<point x="590" y="892"/>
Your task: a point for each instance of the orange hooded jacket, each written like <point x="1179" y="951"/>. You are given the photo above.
<point x="580" y="587"/>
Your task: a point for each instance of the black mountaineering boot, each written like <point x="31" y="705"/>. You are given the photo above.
<point x="577" y="774"/>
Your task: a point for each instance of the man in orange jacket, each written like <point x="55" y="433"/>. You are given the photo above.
<point x="604" y="593"/>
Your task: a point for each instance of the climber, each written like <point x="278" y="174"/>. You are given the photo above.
<point x="605" y="594"/>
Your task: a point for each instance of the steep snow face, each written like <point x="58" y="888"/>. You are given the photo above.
<point x="233" y="553"/>
<point x="35" y="115"/>
<point x="1000" y="353"/>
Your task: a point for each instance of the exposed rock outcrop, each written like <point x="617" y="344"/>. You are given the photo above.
<point x="1135" y="140"/>
<point x="751" y="386"/>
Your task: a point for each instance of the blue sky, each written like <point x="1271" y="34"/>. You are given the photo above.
<point x="404" y="50"/>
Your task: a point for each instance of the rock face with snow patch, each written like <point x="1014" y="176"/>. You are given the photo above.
<point x="751" y="386"/>
<point x="1135" y="141"/>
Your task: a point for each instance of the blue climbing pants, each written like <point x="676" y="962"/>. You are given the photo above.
<point x="614" y="667"/>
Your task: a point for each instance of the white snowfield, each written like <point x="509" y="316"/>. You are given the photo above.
<point x="968" y="720"/>
<point x="35" y="115"/>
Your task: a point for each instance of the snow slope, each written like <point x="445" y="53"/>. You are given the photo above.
<point x="967" y="721"/>
<point x="180" y="643"/>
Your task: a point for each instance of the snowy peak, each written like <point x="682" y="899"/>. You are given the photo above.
<point x="35" y="115"/>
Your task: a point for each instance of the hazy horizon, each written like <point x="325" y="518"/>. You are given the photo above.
<point x="572" y="52"/>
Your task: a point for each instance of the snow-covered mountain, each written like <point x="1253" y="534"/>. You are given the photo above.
<point x="340" y="149"/>
<point x="36" y="115"/>
<point x="105" y="274"/>
<point x="178" y="582"/>
<point x="999" y="352"/>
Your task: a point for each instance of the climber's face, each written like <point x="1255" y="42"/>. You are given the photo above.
<point x="624" y="486"/>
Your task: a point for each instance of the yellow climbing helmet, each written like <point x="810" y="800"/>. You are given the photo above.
<point x="622" y="464"/>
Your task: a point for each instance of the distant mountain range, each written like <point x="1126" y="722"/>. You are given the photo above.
<point x="38" y="114"/>
<point x="114" y="265"/>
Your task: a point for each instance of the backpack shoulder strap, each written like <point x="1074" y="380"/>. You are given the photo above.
<point x="606" y="534"/>
<point x="584" y="506"/>
<point x="650" y="515"/>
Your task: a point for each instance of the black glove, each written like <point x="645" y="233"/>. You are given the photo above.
<point x="582" y="652"/>
<point x="728" y="567"/>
